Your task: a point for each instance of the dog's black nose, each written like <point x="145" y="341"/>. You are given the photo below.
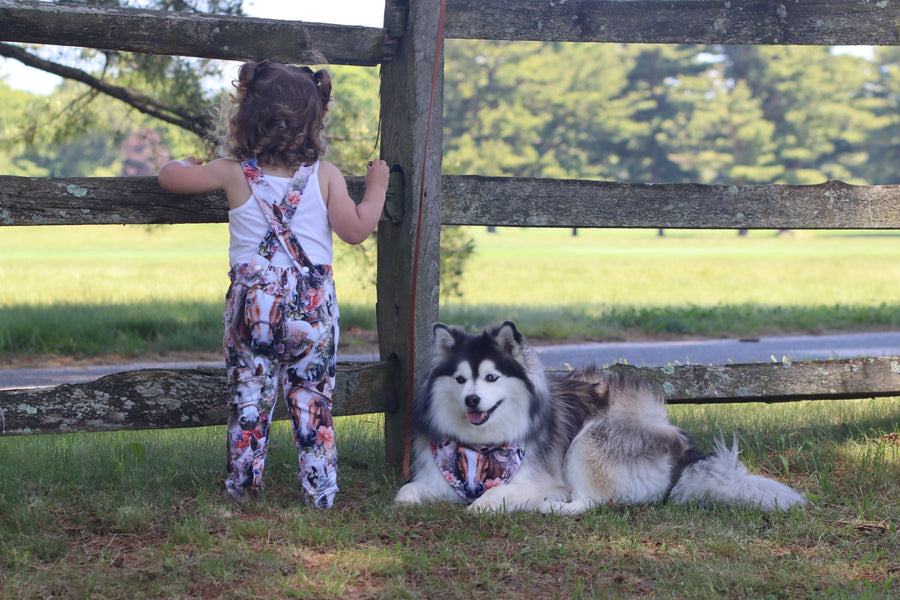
<point x="473" y="400"/>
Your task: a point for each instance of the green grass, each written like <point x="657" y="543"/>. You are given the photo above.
<point x="89" y="291"/>
<point x="140" y="515"/>
<point x="137" y="515"/>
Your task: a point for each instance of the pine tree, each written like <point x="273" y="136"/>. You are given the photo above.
<point x="727" y="141"/>
<point x="664" y="87"/>
<point x="883" y="141"/>
<point x="817" y="103"/>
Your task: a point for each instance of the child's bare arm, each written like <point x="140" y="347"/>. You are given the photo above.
<point x="350" y="221"/>
<point x="187" y="176"/>
<point x="192" y="176"/>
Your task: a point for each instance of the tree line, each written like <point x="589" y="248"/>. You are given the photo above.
<point x="672" y="113"/>
<point x="623" y="112"/>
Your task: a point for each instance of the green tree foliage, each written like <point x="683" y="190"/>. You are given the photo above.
<point x="534" y="110"/>
<point x="15" y="157"/>
<point x="666" y="113"/>
<point x="883" y="144"/>
<point x="352" y="126"/>
<point x="665" y="86"/>
<point x="86" y="136"/>
<point x="819" y="103"/>
<point x="352" y="139"/>
<point x="727" y="140"/>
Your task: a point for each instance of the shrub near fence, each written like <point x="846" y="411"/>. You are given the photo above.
<point x="420" y="199"/>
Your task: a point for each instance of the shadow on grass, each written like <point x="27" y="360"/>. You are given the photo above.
<point x="93" y="329"/>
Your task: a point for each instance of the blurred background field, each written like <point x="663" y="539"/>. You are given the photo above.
<point x="127" y="290"/>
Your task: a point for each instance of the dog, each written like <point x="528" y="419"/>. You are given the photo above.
<point x="558" y="445"/>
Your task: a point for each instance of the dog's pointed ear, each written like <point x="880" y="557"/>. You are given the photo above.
<point x="510" y="340"/>
<point x="445" y="338"/>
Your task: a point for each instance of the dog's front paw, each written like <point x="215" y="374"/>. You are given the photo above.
<point x="489" y="503"/>
<point x="409" y="495"/>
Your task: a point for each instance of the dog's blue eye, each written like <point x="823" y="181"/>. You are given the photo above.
<point x="460" y="379"/>
<point x="491" y="377"/>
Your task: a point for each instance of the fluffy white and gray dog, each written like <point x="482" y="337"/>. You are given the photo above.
<point x="491" y="429"/>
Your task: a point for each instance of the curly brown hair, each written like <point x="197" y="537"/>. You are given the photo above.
<point x="277" y="114"/>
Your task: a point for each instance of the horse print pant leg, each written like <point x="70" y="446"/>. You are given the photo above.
<point x="309" y="384"/>
<point x="253" y="382"/>
<point x="247" y="443"/>
<point x="283" y="327"/>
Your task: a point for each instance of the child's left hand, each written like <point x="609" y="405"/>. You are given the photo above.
<point x="377" y="173"/>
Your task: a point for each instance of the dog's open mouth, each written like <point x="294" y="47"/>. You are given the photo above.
<point x="480" y="417"/>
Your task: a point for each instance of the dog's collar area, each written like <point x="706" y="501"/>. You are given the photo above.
<point x="473" y="470"/>
<point x="480" y="417"/>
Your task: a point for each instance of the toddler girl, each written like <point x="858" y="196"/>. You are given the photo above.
<point x="281" y="316"/>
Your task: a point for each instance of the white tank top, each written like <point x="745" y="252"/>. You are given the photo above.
<point x="247" y="225"/>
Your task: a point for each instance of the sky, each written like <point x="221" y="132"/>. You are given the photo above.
<point x="344" y="12"/>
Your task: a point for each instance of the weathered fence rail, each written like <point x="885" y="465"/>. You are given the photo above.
<point x="166" y="398"/>
<point x="501" y="201"/>
<point x="163" y="398"/>
<point x="421" y="199"/>
<point x="811" y="22"/>
<point x="219" y="37"/>
<point x="469" y="200"/>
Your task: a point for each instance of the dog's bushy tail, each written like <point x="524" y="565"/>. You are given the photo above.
<point x="721" y="478"/>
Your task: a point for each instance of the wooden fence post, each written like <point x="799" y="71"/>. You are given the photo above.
<point x="409" y="239"/>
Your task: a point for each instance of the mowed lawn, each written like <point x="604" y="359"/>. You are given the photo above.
<point x="141" y="514"/>
<point x="94" y="290"/>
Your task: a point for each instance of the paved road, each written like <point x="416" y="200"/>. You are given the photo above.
<point x="719" y="352"/>
<point x="574" y="355"/>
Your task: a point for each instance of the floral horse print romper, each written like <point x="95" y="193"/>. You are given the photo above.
<point x="281" y="326"/>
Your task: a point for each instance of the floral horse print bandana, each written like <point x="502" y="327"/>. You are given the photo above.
<point x="472" y="471"/>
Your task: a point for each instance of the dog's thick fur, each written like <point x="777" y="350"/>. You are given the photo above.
<point x="590" y="438"/>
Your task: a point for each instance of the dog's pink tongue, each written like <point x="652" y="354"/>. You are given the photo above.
<point x="477" y="418"/>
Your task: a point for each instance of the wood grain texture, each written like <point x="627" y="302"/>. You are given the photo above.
<point x="813" y="22"/>
<point x="475" y="200"/>
<point x="409" y="240"/>
<point x="206" y="36"/>
<point x="162" y="398"/>
<point x="167" y="398"/>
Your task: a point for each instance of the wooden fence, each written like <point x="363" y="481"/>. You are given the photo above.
<point x="421" y="199"/>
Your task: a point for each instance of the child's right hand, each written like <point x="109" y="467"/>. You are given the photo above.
<point x="377" y="174"/>
<point x="191" y="161"/>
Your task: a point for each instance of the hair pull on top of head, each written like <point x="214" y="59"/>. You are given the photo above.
<point x="260" y="67"/>
<point x="277" y="114"/>
<point x="320" y="77"/>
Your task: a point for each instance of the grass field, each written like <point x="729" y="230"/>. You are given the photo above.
<point x="136" y="515"/>
<point x="89" y="291"/>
